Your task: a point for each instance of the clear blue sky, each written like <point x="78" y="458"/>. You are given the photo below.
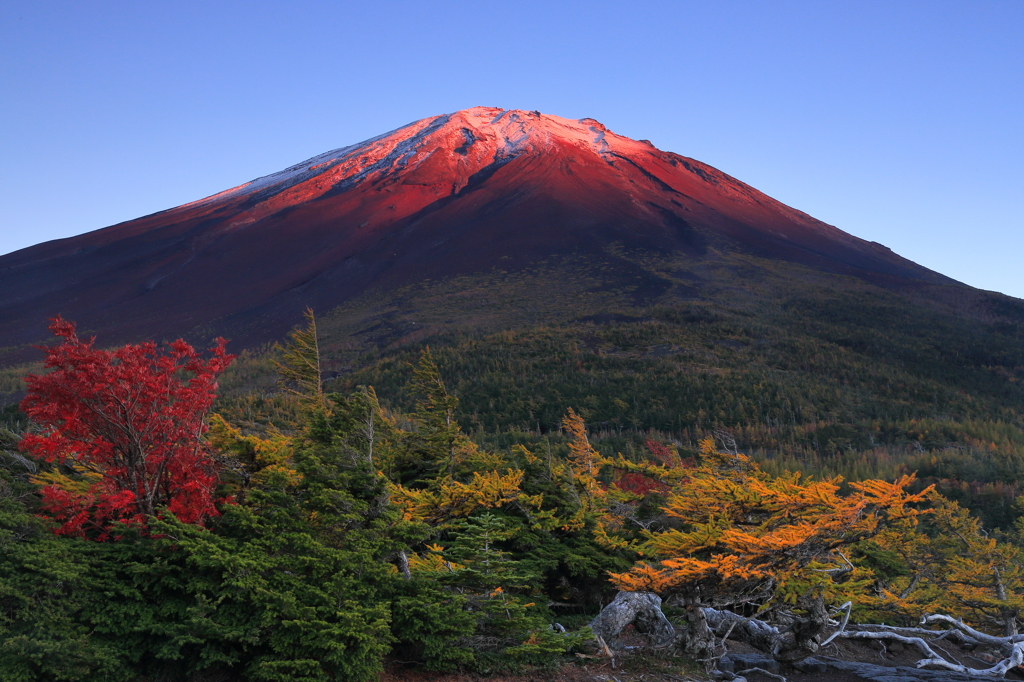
<point x="900" y="122"/>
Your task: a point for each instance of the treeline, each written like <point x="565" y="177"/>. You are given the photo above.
<point x="859" y="384"/>
<point x="825" y="379"/>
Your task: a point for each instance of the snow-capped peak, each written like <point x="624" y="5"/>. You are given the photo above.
<point x="503" y="133"/>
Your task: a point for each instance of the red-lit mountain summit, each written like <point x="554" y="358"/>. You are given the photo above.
<point x="444" y="196"/>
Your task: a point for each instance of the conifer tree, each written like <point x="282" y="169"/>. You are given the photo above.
<point x="584" y="460"/>
<point x="510" y="620"/>
<point x="300" y="366"/>
<point x="439" y="434"/>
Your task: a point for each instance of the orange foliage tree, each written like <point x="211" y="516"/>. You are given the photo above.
<point x="953" y="566"/>
<point x="744" y="537"/>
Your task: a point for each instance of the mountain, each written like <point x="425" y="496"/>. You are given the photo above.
<point x="550" y="263"/>
<point x="445" y="196"/>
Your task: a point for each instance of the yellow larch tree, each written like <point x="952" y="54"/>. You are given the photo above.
<point x="744" y="537"/>
<point x="956" y="567"/>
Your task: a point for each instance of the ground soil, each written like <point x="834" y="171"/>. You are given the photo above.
<point x="647" y="667"/>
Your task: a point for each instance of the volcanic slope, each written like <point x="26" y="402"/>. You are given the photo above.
<point x="449" y="195"/>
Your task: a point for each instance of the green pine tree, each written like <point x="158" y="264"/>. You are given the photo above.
<point x="438" y="438"/>
<point x="299" y="368"/>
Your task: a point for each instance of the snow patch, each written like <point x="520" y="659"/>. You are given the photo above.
<point x="507" y="134"/>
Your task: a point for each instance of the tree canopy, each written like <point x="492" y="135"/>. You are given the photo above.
<point x="130" y="421"/>
<point x="314" y="542"/>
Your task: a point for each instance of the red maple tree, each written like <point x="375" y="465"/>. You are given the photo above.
<point x="131" y="422"/>
<point x="641" y="484"/>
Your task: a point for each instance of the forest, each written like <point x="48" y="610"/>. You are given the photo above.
<point x="801" y="372"/>
<point x="151" y="531"/>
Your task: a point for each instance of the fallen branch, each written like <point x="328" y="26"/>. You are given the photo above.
<point x="734" y="677"/>
<point x="848" y="606"/>
<point x="1013" y="646"/>
<point x="764" y="672"/>
<point x="917" y="642"/>
<point x="952" y="634"/>
<point x="1005" y="642"/>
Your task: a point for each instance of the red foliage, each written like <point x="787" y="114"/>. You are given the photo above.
<point x="667" y="457"/>
<point x="641" y="484"/>
<point x="132" y="421"/>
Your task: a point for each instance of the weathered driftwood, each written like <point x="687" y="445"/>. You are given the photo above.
<point x="1012" y="646"/>
<point x="951" y="635"/>
<point x="640" y="609"/>
<point x="801" y="638"/>
<point x="706" y="627"/>
<point x="795" y="642"/>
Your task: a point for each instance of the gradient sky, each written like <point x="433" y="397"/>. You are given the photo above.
<point x="899" y="122"/>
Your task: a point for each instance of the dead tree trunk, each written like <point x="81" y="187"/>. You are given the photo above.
<point x="403" y="565"/>
<point x="642" y="610"/>
<point x="706" y="626"/>
<point x="800" y="639"/>
<point x="1012" y="647"/>
<point x="698" y="639"/>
